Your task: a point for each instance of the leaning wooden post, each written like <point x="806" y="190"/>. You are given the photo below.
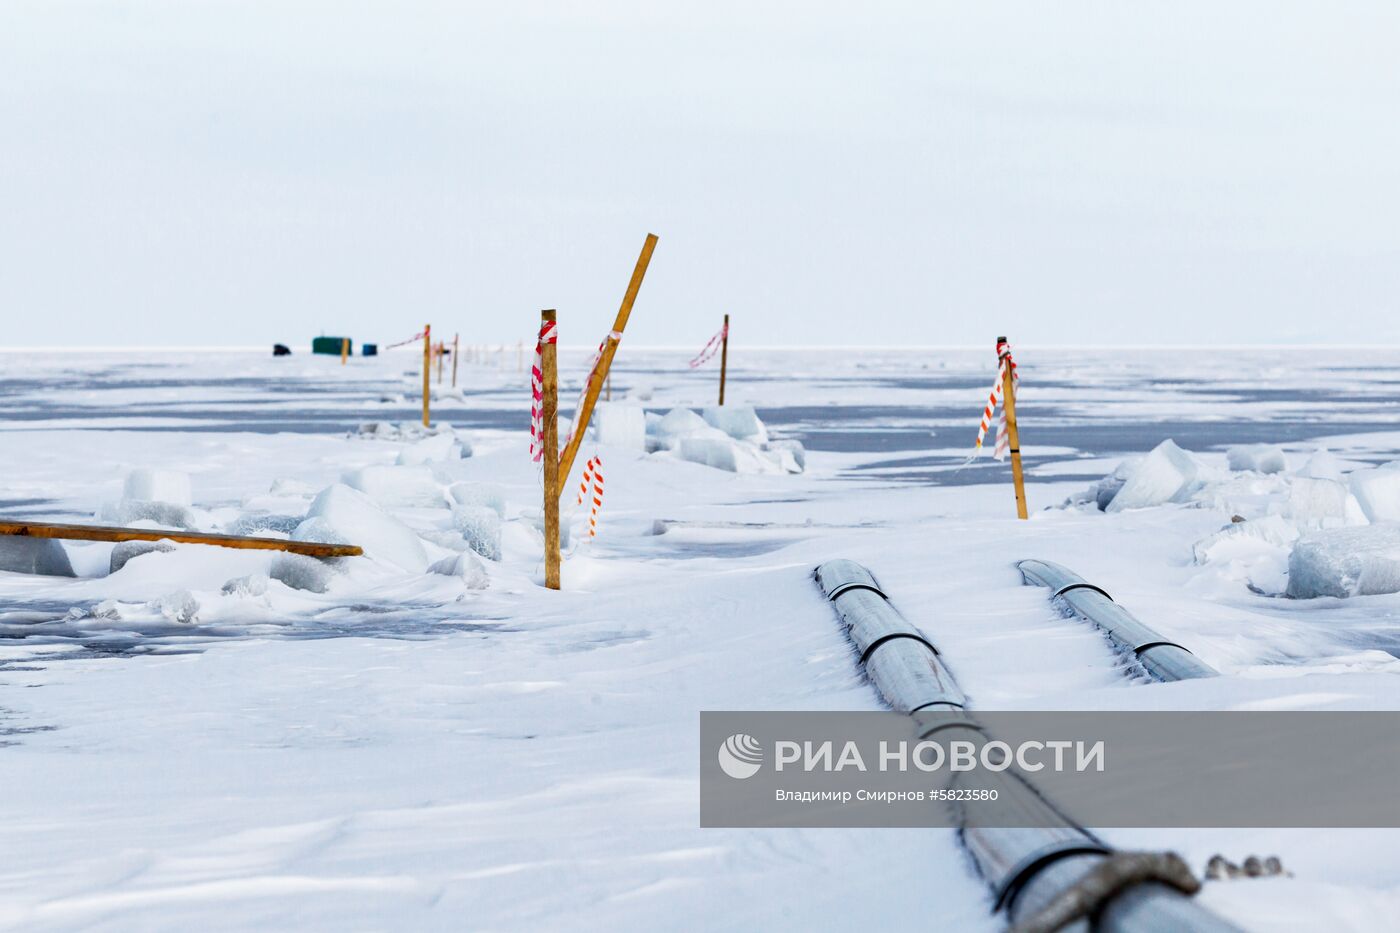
<point x="609" y="391"/>
<point x="549" y="369"/>
<point x="344" y="349"/>
<point x="723" y="357"/>
<point x="427" y="362"/>
<point x="454" y="360"/>
<point x="595" y="381"/>
<point x="1008" y="390"/>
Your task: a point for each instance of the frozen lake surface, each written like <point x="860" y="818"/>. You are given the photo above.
<point x="402" y="751"/>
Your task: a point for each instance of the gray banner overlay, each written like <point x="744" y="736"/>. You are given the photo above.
<point x="1096" y="769"/>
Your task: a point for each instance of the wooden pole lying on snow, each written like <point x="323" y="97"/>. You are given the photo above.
<point x="454" y="360"/>
<point x="1008" y="389"/>
<point x="427" y="361"/>
<point x="549" y="369"/>
<point x="723" y="358"/>
<point x="595" y="381"/>
<point x="110" y="533"/>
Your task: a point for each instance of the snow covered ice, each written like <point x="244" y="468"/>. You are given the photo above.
<point x="1261" y="458"/>
<point x="423" y="738"/>
<point x="398" y="485"/>
<point x="158" y="486"/>
<point x="621" y="425"/>
<point x="341" y="515"/>
<point x="1378" y="492"/>
<point x="732" y="439"/>
<point x="1346" y="562"/>
<point x="1167" y="474"/>
<point x="34" y="555"/>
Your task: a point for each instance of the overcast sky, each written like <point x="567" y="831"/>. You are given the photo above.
<point x="195" y="173"/>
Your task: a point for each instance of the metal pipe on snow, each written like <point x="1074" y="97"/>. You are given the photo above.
<point x="1042" y="878"/>
<point x="1164" y="659"/>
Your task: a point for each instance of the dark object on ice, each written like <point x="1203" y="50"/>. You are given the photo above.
<point x="1219" y="868"/>
<point x="1164" y="660"/>
<point x="21" y="534"/>
<point x="28" y="555"/>
<point x="1236" y="519"/>
<point x="329" y="345"/>
<point x="369" y="349"/>
<point x="1041" y="878"/>
<point x="281" y="349"/>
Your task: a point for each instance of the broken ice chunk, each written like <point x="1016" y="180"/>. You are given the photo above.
<point x="467" y="566"/>
<point x="179" y="606"/>
<point x="43" y="556"/>
<point x="791" y="455"/>
<point x="1167" y="474"/>
<point x="479" y="494"/>
<point x="254" y="584"/>
<point x="481" y="527"/>
<point x="1378" y="492"/>
<point x="301" y="572"/>
<point x="398" y="485"/>
<point x="1346" y="562"/>
<point x="1261" y="458"/>
<point x="436" y="448"/>
<point x="724" y="453"/>
<point x="1270" y="530"/>
<point x="738" y="421"/>
<point x="1320" y="503"/>
<point x="1323" y="464"/>
<point x="124" y="551"/>
<point x="350" y="517"/>
<point x="158" y="486"/>
<point x="616" y="424"/>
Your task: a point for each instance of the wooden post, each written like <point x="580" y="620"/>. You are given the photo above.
<point x="454" y="360"/>
<point x="723" y="357"/>
<point x="427" y="361"/>
<point x="1008" y="392"/>
<point x="344" y="349"/>
<point x="609" y="395"/>
<point x="549" y="368"/>
<point x="595" y="382"/>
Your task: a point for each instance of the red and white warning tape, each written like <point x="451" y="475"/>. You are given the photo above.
<point x="614" y="336"/>
<point x="592" y="472"/>
<point x="708" y="351"/>
<point x="1003" y="440"/>
<point x="403" y="343"/>
<point x="549" y="333"/>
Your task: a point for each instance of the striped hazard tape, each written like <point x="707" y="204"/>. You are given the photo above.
<point x="708" y="351"/>
<point x="403" y="343"/>
<point x="549" y="333"/>
<point x="592" y="473"/>
<point x="613" y="336"/>
<point x="1003" y="439"/>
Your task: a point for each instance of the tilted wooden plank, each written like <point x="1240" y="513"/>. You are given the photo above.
<point x="110" y="533"/>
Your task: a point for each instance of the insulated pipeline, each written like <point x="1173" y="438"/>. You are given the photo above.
<point x="1165" y="660"/>
<point x="1041" y="877"/>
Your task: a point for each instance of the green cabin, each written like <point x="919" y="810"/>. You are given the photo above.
<point x="330" y="345"/>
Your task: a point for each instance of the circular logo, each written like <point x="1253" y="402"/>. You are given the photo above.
<point x="740" y="756"/>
